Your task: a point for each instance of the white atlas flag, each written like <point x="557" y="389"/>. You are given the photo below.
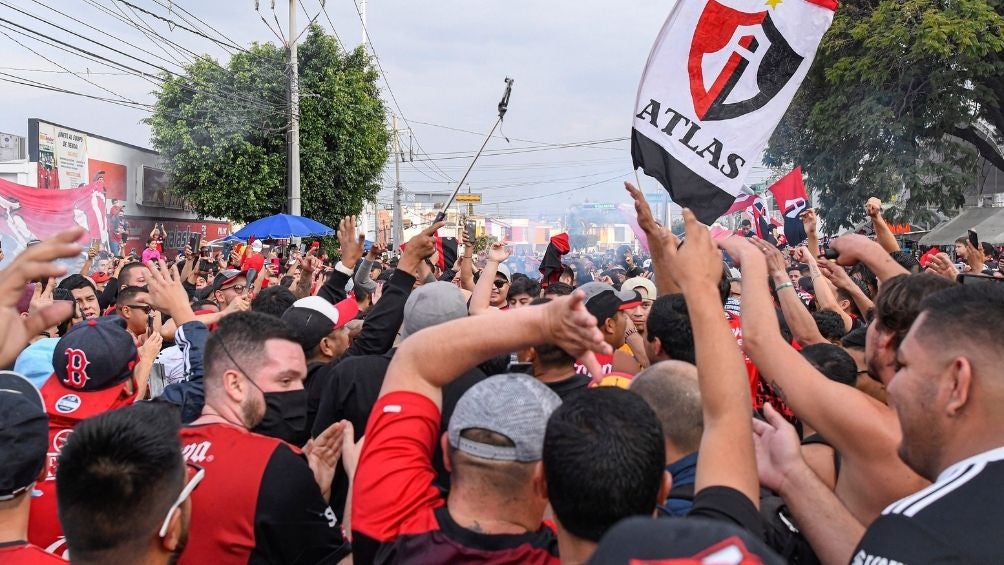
<point x="718" y="80"/>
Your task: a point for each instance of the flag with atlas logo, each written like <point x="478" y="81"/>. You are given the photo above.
<point x="718" y="80"/>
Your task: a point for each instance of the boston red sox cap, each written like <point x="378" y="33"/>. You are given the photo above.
<point x="91" y="364"/>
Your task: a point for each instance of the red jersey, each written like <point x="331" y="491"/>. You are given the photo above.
<point x="760" y="390"/>
<point x="254" y="261"/>
<point x="606" y="363"/>
<point x="65" y="408"/>
<point x="397" y="510"/>
<point x="23" y="553"/>
<point x="258" y="502"/>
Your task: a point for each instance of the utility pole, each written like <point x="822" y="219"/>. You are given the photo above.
<point x="398" y="225"/>
<point x="293" y="168"/>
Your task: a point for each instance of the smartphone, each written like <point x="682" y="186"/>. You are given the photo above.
<point x="525" y="368"/>
<point x="193" y="242"/>
<point x="204" y="252"/>
<point x="974" y="240"/>
<point x="469" y="227"/>
<point x="973" y="278"/>
<point x="227" y="248"/>
<point x="205" y="265"/>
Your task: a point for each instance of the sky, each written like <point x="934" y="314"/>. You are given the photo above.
<point x="576" y="65"/>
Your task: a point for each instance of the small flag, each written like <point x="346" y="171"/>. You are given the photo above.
<point x="761" y="221"/>
<point x="789" y="193"/>
<point x="718" y="80"/>
<point x="550" y="266"/>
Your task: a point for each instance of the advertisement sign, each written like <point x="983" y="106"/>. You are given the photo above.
<point x="62" y="157"/>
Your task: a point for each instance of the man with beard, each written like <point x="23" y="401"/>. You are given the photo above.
<point x="124" y="490"/>
<point x="946" y="390"/>
<point x="263" y="500"/>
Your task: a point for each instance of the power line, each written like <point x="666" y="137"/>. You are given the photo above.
<point x="37" y="84"/>
<point x="175" y="4"/>
<point x="530" y="149"/>
<point x="171" y="22"/>
<point x="330" y="23"/>
<point x="390" y="91"/>
<point x="560" y="191"/>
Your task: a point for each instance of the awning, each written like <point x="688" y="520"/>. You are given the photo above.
<point x="988" y="223"/>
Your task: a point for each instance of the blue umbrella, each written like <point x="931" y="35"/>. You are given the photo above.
<point x="283" y="226"/>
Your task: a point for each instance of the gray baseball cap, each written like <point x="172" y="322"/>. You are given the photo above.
<point x="432" y="304"/>
<point x="514" y="405"/>
<point x="504" y="271"/>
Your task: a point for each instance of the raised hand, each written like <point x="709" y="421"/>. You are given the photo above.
<point x="778" y="449"/>
<point x="419" y="248"/>
<point x="573" y="328"/>
<point x="873" y="207"/>
<point x="166" y="292"/>
<point x="809" y="220"/>
<point x="350" y="241"/>
<point x="35" y="263"/>
<point x="697" y="263"/>
<point x="941" y="265"/>
<point x="658" y="236"/>
<point x="322" y="456"/>
<point x="499" y="252"/>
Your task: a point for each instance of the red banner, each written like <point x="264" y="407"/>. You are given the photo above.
<point x="28" y="213"/>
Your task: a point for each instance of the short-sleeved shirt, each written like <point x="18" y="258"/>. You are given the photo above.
<point x="955" y="520"/>
<point x="259" y="502"/>
<point x="399" y="514"/>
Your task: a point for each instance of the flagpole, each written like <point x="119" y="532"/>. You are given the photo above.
<point x="503" y="106"/>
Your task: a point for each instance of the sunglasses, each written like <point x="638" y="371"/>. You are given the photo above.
<point x="499" y="283"/>
<point x="144" y="307"/>
<point x="200" y="474"/>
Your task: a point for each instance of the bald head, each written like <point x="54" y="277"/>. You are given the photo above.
<point x="671" y="389"/>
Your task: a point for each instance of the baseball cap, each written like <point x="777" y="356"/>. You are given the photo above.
<point x="313" y="318"/>
<point x="432" y="304"/>
<point x="644" y="287"/>
<point x="91" y="365"/>
<point x="24" y="434"/>
<point x="227" y="278"/>
<point x="256" y="245"/>
<point x="514" y="405"/>
<point x="504" y="271"/>
<point x="100" y="277"/>
<point x="603" y="300"/>
<point x="694" y="540"/>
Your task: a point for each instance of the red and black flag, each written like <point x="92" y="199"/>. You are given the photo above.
<point x="761" y="221"/>
<point x="447" y="248"/>
<point x="789" y="193"/>
<point x="718" y="80"/>
<point x="550" y="266"/>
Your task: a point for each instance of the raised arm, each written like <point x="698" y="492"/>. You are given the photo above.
<point x="853" y="249"/>
<point x="467" y="265"/>
<point x="433" y="357"/>
<point x="811" y="225"/>
<point x="481" y="298"/>
<point x="85" y="269"/>
<point x="853" y="422"/>
<point x="803" y="327"/>
<point x="660" y="239"/>
<point x="726" y="456"/>
<point x="840" y="279"/>
<point x="883" y="235"/>
<point x="826" y="299"/>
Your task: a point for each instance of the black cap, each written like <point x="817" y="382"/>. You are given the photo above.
<point x="690" y="540"/>
<point x="24" y="434"/>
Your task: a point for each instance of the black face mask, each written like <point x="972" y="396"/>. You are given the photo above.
<point x="285" y="417"/>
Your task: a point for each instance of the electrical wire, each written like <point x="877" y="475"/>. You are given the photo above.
<point x="393" y="97"/>
<point x="227" y="44"/>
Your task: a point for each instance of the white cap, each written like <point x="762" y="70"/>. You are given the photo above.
<point x="256" y="246"/>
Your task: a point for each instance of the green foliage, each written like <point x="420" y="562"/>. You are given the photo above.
<point x="891" y="105"/>
<point x="227" y="151"/>
<point x="483" y="242"/>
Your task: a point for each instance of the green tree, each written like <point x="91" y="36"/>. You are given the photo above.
<point x="902" y="98"/>
<point x="222" y="131"/>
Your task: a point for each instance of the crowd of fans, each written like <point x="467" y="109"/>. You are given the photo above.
<point x="721" y="401"/>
